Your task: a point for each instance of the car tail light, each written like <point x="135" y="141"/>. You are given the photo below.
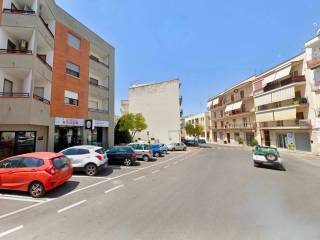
<point x="133" y="154"/>
<point x="99" y="157"/>
<point x="51" y="170"/>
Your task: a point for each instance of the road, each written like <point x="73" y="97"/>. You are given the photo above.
<point x="200" y="194"/>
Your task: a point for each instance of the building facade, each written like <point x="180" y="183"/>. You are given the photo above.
<point x="55" y="75"/>
<point x="124" y="107"/>
<point x="232" y="118"/>
<point x="160" y="104"/>
<point x="202" y="119"/>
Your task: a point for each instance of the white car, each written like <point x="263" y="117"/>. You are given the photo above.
<point x="164" y="148"/>
<point x="89" y="159"/>
<point x="177" y="147"/>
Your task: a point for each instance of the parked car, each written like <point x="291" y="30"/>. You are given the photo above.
<point x="122" y="155"/>
<point x="202" y="141"/>
<point x="177" y="147"/>
<point x="164" y="148"/>
<point x="89" y="159"/>
<point x="267" y="156"/>
<point x="143" y="151"/>
<point x="191" y="143"/>
<point x="35" y="173"/>
<point x="156" y="150"/>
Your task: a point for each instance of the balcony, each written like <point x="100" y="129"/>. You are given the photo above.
<point x="46" y="25"/>
<point x="40" y="57"/>
<point x="279" y="84"/>
<point x="98" y="114"/>
<point x="18" y="18"/>
<point x="97" y="60"/>
<point x="14" y="94"/>
<point x="287" y="124"/>
<point x="298" y="102"/>
<point x="236" y="126"/>
<point x="41" y="99"/>
<point x="18" y="11"/>
<point x="95" y="83"/>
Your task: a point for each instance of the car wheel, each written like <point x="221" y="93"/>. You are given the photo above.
<point x="157" y="154"/>
<point x="91" y="169"/>
<point x="127" y="162"/>
<point x="271" y="157"/>
<point x="36" y="190"/>
<point x="145" y="158"/>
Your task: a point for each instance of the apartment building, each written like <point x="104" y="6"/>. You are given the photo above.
<point x="56" y="75"/>
<point x="124" y="109"/>
<point x="231" y="113"/>
<point x="160" y="104"/>
<point x="202" y="119"/>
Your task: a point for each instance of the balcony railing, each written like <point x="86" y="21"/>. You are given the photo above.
<point x="98" y="110"/>
<point x="46" y="25"/>
<point x="235" y="126"/>
<point x="93" y="82"/>
<point x="41" y="99"/>
<point x="14" y="94"/>
<point x="290" y="102"/>
<point x="18" y="11"/>
<point x="44" y="62"/>
<point x="15" y="51"/>
<point x="98" y="61"/>
<point x="302" y="123"/>
<point x="285" y="82"/>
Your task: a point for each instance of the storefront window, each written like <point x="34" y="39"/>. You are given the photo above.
<point x="15" y="143"/>
<point x="65" y="137"/>
<point x="94" y="137"/>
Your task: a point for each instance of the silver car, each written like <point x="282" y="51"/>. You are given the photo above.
<point x="143" y="151"/>
<point x="177" y="147"/>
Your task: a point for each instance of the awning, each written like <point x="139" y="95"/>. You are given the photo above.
<point x="283" y="73"/>
<point x="285" y="114"/>
<point x="268" y="79"/>
<point x="284" y="94"/>
<point x="233" y="106"/>
<point x="264" y="117"/>
<point x="263" y="100"/>
<point x="229" y="108"/>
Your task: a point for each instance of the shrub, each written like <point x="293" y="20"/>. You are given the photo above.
<point x="254" y="142"/>
<point x="241" y="141"/>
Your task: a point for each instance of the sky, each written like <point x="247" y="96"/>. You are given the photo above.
<point x="208" y="44"/>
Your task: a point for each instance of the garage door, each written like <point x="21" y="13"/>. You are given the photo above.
<point x="303" y="142"/>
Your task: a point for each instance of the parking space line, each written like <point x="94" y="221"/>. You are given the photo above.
<point x="139" y="178"/>
<point x="113" y="189"/>
<point x="11" y="231"/>
<point x="71" y="206"/>
<point x="93" y="185"/>
<point x="176" y="162"/>
<point x="90" y="177"/>
<point x="156" y="171"/>
<point x="166" y="166"/>
<point x="21" y="199"/>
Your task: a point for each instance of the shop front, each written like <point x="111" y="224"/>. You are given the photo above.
<point x="97" y="132"/>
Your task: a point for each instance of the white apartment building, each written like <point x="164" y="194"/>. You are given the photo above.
<point x="160" y="104"/>
<point x="202" y="119"/>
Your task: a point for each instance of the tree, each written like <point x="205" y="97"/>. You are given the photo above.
<point x="190" y="129"/>
<point x="198" y="130"/>
<point x="133" y="123"/>
<point x="121" y="136"/>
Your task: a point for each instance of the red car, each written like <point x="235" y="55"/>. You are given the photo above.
<point x="35" y="173"/>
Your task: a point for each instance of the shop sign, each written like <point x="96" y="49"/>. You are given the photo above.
<point x="69" y="122"/>
<point x="98" y="123"/>
<point x="89" y="124"/>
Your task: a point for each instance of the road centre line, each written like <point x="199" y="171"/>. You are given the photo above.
<point x="11" y="231"/>
<point x="113" y="189"/>
<point x="139" y="178"/>
<point x="71" y="206"/>
<point x="95" y="184"/>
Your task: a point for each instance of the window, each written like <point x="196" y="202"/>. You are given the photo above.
<point x="82" y="151"/>
<point x="74" y="41"/>
<point x="94" y="81"/>
<point x="7" y="87"/>
<point x="317" y="75"/>
<point x="71" y="98"/>
<point x="70" y="152"/>
<point x="232" y="98"/>
<point x="60" y="162"/>
<point x="10" y="163"/>
<point x="73" y="69"/>
<point x="31" y="163"/>
<point x="242" y="94"/>
<point x="100" y="151"/>
<point x="299" y="115"/>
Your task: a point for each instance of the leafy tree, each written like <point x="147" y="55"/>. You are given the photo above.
<point x="190" y="129"/>
<point x="133" y="123"/>
<point x="198" y="131"/>
<point x="121" y="136"/>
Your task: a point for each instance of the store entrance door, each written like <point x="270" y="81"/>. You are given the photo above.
<point x="67" y="137"/>
<point x="267" y="141"/>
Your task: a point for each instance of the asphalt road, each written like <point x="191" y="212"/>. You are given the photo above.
<point x="201" y="194"/>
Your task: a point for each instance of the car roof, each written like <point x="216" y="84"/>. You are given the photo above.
<point x="40" y="155"/>
<point x="89" y="147"/>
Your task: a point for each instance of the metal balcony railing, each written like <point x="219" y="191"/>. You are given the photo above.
<point x="46" y="25"/>
<point x="98" y="61"/>
<point x="14" y="94"/>
<point x="15" y="51"/>
<point x="44" y="62"/>
<point x="98" y="110"/>
<point x="18" y="11"/>
<point x="41" y="99"/>
<point x="95" y="82"/>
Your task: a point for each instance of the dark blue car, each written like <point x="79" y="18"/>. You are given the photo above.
<point x="156" y="150"/>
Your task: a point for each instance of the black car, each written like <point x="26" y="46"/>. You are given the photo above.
<point x="122" y="155"/>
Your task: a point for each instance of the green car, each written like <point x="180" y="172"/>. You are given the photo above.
<point x="267" y="156"/>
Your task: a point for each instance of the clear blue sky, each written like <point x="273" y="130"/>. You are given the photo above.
<point x="209" y="45"/>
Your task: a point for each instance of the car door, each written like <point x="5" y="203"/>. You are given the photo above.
<point x="83" y="156"/>
<point x="9" y="173"/>
<point x="113" y="155"/>
<point x="27" y="171"/>
<point x="71" y="153"/>
<point x="139" y="150"/>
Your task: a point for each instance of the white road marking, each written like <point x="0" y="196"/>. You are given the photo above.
<point x="139" y="178"/>
<point x="156" y="171"/>
<point x="175" y="163"/>
<point x="71" y="206"/>
<point x="93" y="185"/>
<point x="166" y="166"/>
<point x="92" y="177"/>
<point x="113" y="189"/>
<point x="21" y="199"/>
<point x="11" y="231"/>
